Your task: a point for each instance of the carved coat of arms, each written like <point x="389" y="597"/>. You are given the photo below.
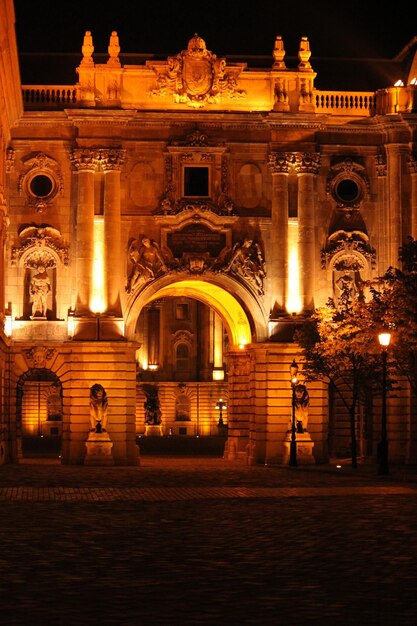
<point x="197" y="77"/>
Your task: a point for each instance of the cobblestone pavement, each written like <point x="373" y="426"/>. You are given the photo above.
<point x="203" y="541"/>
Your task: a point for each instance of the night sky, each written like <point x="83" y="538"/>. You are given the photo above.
<point x="355" y="28"/>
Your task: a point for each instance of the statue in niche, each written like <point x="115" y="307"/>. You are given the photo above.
<point x="39" y="290"/>
<point x="147" y="261"/>
<point x="246" y="260"/>
<point x="348" y="287"/>
<point x="302" y="401"/>
<point x="98" y="408"/>
<point x="151" y="405"/>
<point x="182" y="405"/>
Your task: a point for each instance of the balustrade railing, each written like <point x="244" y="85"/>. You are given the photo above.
<point x="49" y="96"/>
<point x="345" y="102"/>
<point x="359" y="104"/>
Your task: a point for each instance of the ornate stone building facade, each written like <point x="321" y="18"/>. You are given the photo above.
<point x="166" y="225"/>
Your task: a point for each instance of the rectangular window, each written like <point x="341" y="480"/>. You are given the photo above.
<point x="196" y="182"/>
<point x="181" y="311"/>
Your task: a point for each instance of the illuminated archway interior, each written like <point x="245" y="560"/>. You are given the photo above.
<point x="221" y="301"/>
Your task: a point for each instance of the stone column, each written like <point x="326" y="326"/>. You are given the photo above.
<point x="240" y="406"/>
<point x="395" y="213"/>
<point x="277" y="264"/>
<point x="111" y="161"/>
<point x="85" y="163"/>
<point x="4" y="223"/>
<point x="307" y="165"/>
<point x="413" y="217"/>
<point x="383" y="221"/>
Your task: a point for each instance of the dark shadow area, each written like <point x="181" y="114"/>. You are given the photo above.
<point x="39" y="447"/>
<point x="183" y="446"/>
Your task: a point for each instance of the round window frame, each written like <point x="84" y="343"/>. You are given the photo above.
<point x="45" y="174"/>
<point x="357" y="180"/>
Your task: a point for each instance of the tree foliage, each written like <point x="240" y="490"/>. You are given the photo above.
<point x="394" y="307"/>
<point x="338" y="348"/>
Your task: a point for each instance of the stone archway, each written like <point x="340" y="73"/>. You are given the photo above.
<point x="242" y="313"/>
<point x="204" y="373"/>
<point x="39" y="413"/>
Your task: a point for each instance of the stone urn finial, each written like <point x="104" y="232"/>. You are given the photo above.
<point x="278" y="54"/>
<point x="304" y="54"/>
<point x="87" y="49"/>
<point x="113" y="49"/>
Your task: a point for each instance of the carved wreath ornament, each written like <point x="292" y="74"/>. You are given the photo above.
<point x="197" y="77"/>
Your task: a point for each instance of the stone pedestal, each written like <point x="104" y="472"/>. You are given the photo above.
<point x="99" y="449"/>
<point x="304" y="448"/>
<point x="153" y="430"/>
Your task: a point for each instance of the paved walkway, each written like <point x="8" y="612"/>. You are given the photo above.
<point x="203" y="541"/>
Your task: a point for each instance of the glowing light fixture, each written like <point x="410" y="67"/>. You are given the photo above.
<point x="8" y="325"/>
<point x="384" y="339"/>
<point x="218" y="374"/>
<point x="98" y="303"/>
<point x="293" y="304"/>
<point x="399" y="83"/>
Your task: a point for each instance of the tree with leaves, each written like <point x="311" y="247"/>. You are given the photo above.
<point x="338" y="349"/>
<point x="394" y="308"/>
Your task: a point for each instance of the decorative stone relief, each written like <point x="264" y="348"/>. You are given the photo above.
<point x="381" y="165"/>
<point x="39" y="356"/>
<point x="197" y="77"/>
<point x="41" y="181"/>
<point x="244" y="260"/>
<point x="195" y="250"/>
<point x="348" y="173"/>
<point x="42" y="238"/>
<point x="280" y="162"/>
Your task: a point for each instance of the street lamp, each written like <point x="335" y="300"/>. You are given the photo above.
<point x="220" y="405"/>
<point x="384" y="341"/>
<point x="293" y="444"/>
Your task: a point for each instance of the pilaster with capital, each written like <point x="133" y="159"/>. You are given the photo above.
<point x="111" y="161"/>
<point x="279" y="164"/>
<point x="383" y="230"/>
<point x="395" y="154"/>
<point x="85" y="163"/>
<point x="307" y="166"/>
<point x="412" y="165"/>
<point x="4" y="224"/>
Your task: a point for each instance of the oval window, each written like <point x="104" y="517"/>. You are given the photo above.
<point x="347" y="190"/>
<point x="41" y="186"/>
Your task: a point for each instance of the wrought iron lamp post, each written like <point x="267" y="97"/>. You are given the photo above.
<point x="293" y="443"/>
<point x="384" y="341"/>
<point x="220" y="405"/>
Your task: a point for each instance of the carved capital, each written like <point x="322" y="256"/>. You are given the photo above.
<point x="412" y="165"/>
<point x="280" y="162"/>
<point x="85" y="159"/>
<point x="307" y="162"/>
<point x="112" y="158"/>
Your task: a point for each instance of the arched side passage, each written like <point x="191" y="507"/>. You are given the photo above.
<point x="244" y="323"/>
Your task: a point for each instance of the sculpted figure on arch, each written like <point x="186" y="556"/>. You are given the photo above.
<point x="147" y="261"/>
<point x="247" y="261"/>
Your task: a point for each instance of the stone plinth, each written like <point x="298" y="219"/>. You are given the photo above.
<point x="153" y="430"/>
<point x="99" y="449"/>
<point x="304" y="448"/>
